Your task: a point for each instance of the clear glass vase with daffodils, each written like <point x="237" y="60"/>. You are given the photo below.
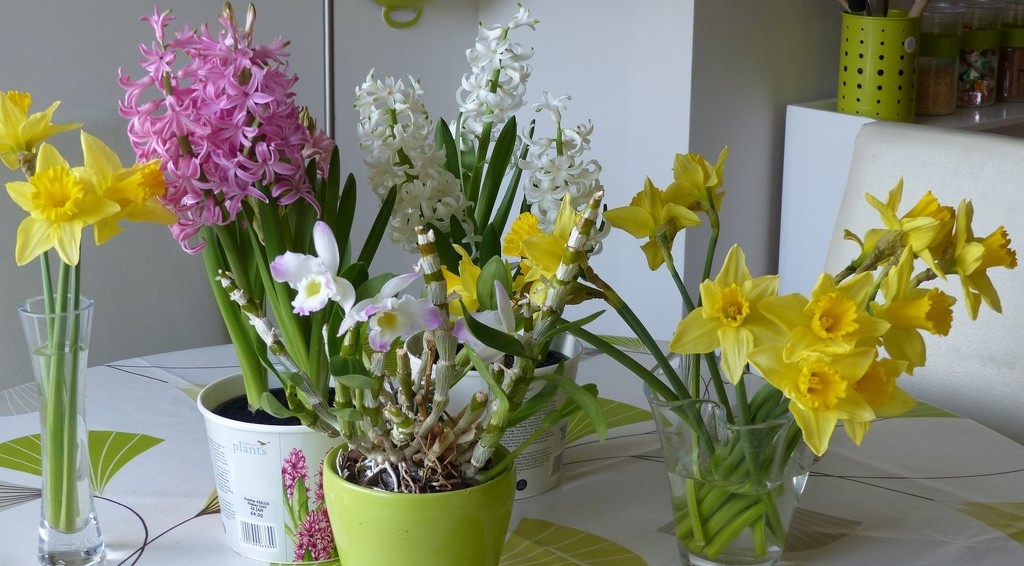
<point x="61" y="201"/>
<point x="832" y="357"/>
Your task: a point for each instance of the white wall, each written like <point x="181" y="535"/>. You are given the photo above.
<point x="751" y="59"/>
<point x="151" y="297"/>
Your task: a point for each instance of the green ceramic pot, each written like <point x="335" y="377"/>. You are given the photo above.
<point x="466" y="527"/>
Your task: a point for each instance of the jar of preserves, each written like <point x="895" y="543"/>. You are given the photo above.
<point x="1011" y="52"/>
<point x="938" y="58"/>
<point x="979" y="53"/>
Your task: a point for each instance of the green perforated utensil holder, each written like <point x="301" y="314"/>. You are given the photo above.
<point x="877" y="62"/>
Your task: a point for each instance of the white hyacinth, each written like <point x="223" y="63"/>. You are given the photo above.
<point x="493" y="90"/>
<point x="396" y="135"/>
<point x="554" y="167"/>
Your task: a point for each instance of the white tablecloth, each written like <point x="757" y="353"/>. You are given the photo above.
<point x="929" y="488"/>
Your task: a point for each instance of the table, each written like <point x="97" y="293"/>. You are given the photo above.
<point x="927" y="488"/>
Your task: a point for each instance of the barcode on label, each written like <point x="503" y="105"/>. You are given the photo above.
<point x="556" y="465"/>
<point x="258" y="534"/>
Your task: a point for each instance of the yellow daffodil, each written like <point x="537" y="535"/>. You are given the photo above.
<point x="973" y="257"/>
<point x="697" y="184"/>
<point x="909" y="309"/>
<point x="926" y="227"/>
<point x="729" y="318"/>
<point x="821" y="389"/>
<point x="59" y="204"/>
<point x="651" y="215"/>
<point x="134" y="189"/>
<point x="544" y="250"/>
<point x="463" y="283"/>
<point x="833" y="320"/>
<point x="878" y="388"/>
<point x="21" y="132"/>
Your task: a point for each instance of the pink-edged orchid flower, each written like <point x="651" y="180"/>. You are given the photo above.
<point x="314" y="278"/>
<point x="390" y="317"/>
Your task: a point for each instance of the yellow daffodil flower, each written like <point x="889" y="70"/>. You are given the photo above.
<point x="60" y="206"/>
<point x="832" y="321"/>
<point x="649" y="215"/>
<point x="697" y="184"/>
<point x="544" y="250"/>
<point x="909" y="309"/>
<point x="21" y="132"/>
<point x="730" y="317"/>
<point x="134" y="189"/>
<point x="463" y="283"/>
<point x="926" y="227"/>
<point x="821" y="389"/>
<point x="973" y="257"/>
<point x="878" y="388"/>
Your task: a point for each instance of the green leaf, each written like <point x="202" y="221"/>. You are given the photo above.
<point x="443" y="242"/>
<point x="534" y="404"/>
<point x="586" y="399"/>
<point x="380" y="224"/>
<point x="342" y="224"/>
<point x="357" y="381"/>
<point x="565" y="326"/>
<point x="443" y="138"/>
<point x="270" y="404"/>
<point x="497" y="164"/>
<point x="492" y="337"/>
<point x="494" y="270"/>
<point x="500" y="219"/>
<point x="616" y="414"/>
<point x="490" y="244"/>
<point x="348" y="414"/>
<point x="542" y="543"/>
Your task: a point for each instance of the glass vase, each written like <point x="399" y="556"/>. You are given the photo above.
<point x="734" y="488"/>
<point x="57" y="334"/>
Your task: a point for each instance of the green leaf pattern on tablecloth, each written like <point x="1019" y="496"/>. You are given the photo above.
<point x="542" y="543"/>
<point x="109" y="451"/>
<point x="616" y="413"/>
<point x="927" y="410"/>
<point x="810" y="530"/>
<point x="1007" y="518"/>
<point x="19" y="400"/>
<point x="626" y="343"/>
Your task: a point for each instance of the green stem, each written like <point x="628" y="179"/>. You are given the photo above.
<point x="670" y="263"/>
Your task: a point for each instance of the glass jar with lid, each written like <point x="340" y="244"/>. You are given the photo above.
<point x="1011" y="52"/>
<point x="979" y="52"/>
<point x="938" y="58"/>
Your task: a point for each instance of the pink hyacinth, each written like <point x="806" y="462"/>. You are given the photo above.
<point x="220" y="113"/>
<point x="293" y="470"/>
<point x="314" y="535"/>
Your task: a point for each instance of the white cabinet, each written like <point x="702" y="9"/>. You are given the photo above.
<point x="819" y="144"/>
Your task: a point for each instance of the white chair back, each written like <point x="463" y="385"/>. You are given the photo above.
<point x="978" y="370"/>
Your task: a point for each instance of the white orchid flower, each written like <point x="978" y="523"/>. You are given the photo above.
<point x="391" y="317"/>
<point x="314" y="278"/>
<point x="503" y="319"/>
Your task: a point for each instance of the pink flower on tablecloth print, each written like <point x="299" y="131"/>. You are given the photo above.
<point x="293" y="469"/>
<point x="314" y="535"/>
